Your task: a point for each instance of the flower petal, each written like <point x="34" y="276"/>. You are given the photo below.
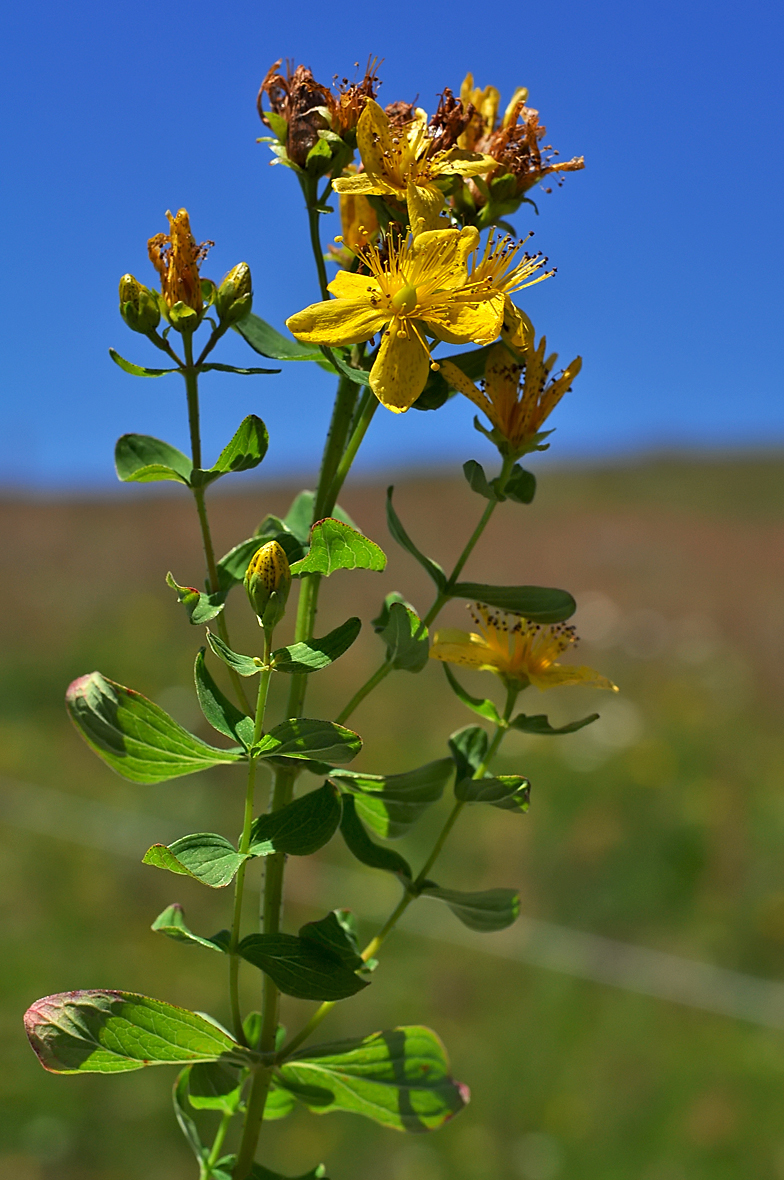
<point x="461" y="647"/>
<point x="336" y="321"/>
<point x="455" y="161"/>
<point x="400" y="371"/>
<point x="366" y="183"/>
<point x="460" y="323"/>
<point x="437" y="260"/>
<point x="565" y="674"/>
<point x="384" y="156"/>
<point x="458" y="380"/>
<point x="358" y="288"/>
<point x="425" y="203"/>
<point x="518" y="329"/>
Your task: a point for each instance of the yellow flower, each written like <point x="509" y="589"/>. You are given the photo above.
<point x="422" y="286"/>
<point x="516" y="650"/>
<point x="516" y="397"/>
<point x="502" y="269"/>
<point x="485" y="103"/>
<point x="404" y="163"/>
<point x="176" y="257"/>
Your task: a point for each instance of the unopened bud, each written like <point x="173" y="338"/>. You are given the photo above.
<point x="267" y="582"/>
<point x="138" y="305"/>
<point x="234" y="297"/>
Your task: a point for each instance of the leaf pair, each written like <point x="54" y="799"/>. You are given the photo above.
<point x="520" y="484"/>
<point x="538" y="603"/>
<point x="537" y="723"/>
<point x="299" y="829"/>
<point x="142" y="742"/>
<point x="398" y="1078"/>
<point x="140" y="458"/>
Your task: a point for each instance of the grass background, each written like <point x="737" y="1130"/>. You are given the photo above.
<point x="661" y="825"/>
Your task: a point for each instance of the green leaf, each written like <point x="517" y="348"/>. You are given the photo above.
<point x="200" y="607"/>
<point x="537" y="603"/>
<point x="359" y="843"/>
<point x="401" y="536"/>
<point x="469" y="748"/>
<point x="134" y="736"/>
<point x="406" y="638"/>
<point x="539" y="723"/>
<point x="234" y="369"/>
<point x="356" y="376"/>
<point x="264" y="339"/>
<point x="243" y="665"/>
<point x="300" y="968"/>
<point x="140" y="458"/>
<point x="245" y="450"/>
<point x="215" y="1086"/>
<point x="137" y="370"/>
<point x="313" y="654"/>
<point x="521" y="485"/>
<point x="335" y="935"/>
<point x="336" y="546"/>
<point x="205" y="856"/>
<point x="391" y="803"/>
<point x="477" y="481"/>
<point x="300" y="828"/>
<point x="279" y="1103"/>
<point x="398" y="1078"/>
<point x="301" y="737"/>
<point x="510" y="792"/>
<point x="488" y="911"/>
<point x="484" y="707"/>
<point x="100" y="1031"/>
<point x="218" y="709"/>
<point x="186" y="1123"/>
<point x="172" y="923"/>
<point x="299" y="517"/>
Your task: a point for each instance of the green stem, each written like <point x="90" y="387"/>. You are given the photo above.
<point x="380" y="674"/>
<point x="311" y="199"/>
<point x="217" y="1146"/>
<point x="334" y="447"/>
<point x="244" y="845"/>
<point x="190" y="373"/>
<point x="364" y="416"/>
<point x="440" y="601"/>
<point x="414" y="890"/>
<point x="331" y="476"/>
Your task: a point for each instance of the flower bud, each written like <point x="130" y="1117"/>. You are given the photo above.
<point x="138" y="305"/>
<point x="267" y="582"/>
<point x="234" y="297"/>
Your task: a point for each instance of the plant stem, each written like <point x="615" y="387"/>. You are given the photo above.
<point x="311" y="199"/>
<point x="334" y="446"/>
<point x="244" y="845"/>
<point x="367" y="408"/>
<point x="439" y="602"/>
<point x="415" y="888"/>
<point x="333" y="472"/>
<point x="191" y="375"/>
<point x="380" y="674"/>
<point x="217" y="1145"/>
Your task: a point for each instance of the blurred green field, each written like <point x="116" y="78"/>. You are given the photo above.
<point x="660" y="826"/>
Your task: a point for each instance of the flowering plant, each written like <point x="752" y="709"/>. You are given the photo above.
<point x="413" y="275"/>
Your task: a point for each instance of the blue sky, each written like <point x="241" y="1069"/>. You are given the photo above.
<point x="669" y="267"/>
